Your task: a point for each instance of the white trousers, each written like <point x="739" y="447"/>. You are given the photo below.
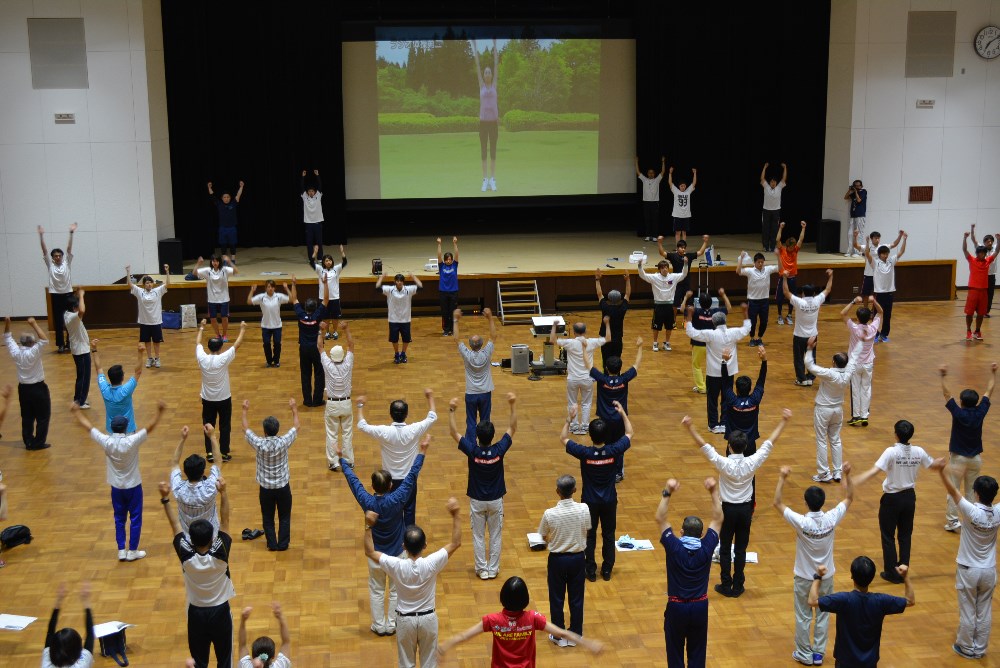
<point x="486" y="515"/>
<point x="417" y="635"/>
<point x="963" y="471"/>
<point x="975" y="608"/>
<point x="861" y="390"/>
<point x="339" y="422"/>
<point x="580" y="392"/>
<point x="804" y="618"/>
<point x="377" y="578"/>
<point x="828" y="421"/>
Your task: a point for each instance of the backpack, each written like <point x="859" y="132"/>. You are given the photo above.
<point x="113" y="645"/>
<point x="13" y="536"/>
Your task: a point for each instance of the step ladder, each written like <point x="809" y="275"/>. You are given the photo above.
<point x="518" y="301"/>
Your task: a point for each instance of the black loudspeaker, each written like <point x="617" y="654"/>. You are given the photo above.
<point x="828" y="236"/>
<point x="171" y="253"/>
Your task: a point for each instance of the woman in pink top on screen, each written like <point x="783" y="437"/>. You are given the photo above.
<point x="489" y="114"/>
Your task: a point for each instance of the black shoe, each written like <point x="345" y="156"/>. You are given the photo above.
<point x="736" y="592"/>
<point x="395" y="359"/>
<point x="227" y="457"/>
<point x="892" y="579"/>
<point x="606" y="575"/>
<point x="246" y="534"/>
<point x="402" y="358"/>
<point x="40" y="446"/>
<point x="210" y="458"/>
<point x="592" y="576"/>
<point x="725" y="590"/>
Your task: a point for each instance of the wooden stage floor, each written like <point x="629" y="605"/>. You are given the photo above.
<point x="62" y="495"/>
<point x="502" y="254"/>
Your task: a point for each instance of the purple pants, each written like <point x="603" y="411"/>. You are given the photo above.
<point x="127" y="503"/>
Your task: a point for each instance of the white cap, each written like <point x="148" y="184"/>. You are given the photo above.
<point x="337" y="354"/>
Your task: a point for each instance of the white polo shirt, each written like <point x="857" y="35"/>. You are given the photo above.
<point x="834" y="380"/>
<point x="977" y="546"/>
<point x="399" y="302"/>
<point x="215" y="374"/>
<point x="736" y="471"/>
<point x="759" y="280"/>
<point x="664" y="287"/>
<point x="270" y="308"/>
<point x="333" y="273"/>
<point x="217" y="283"/>
<point x="807" y="314"/>
<point x="884" y="273"/>
<point x="772" y="198"/>
<point x="651" y="187"/>
<point x="576" y="369"/>
<point x="60" y="281"/>
<point x="901" y="463"/>
<point x="415" y="579"/>
<point x="27" y="360"/>
<point x="122" y="454"/>
<point x="79" y="340"/>
<point x="716" y="342"/>
<point x="399" y="442"/>
<point x="150" y="304"/>
<point x="814" y="539"/>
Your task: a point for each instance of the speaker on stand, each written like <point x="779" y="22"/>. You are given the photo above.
<point x="171" y="252"/>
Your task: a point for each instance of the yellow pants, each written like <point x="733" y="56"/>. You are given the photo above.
<point x="698" y="366"/>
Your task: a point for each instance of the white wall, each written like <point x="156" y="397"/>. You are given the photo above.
<point x="875" y="132"/>
<point x="110" y="171"/>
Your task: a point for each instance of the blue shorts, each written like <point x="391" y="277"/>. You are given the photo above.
<point x="227" y="236"/>
<point x="333" y="308"/>
<point x="152" y="333"/>
<point x="682" y="224"/>
<point x="221" y="310"/>
<point x="397" y="328"/>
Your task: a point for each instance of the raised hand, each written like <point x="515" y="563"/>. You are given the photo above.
<point x="72" y="228"/>
<point x="185" y="431"/>
<point x="425" y="443"/>
<point x="672" y="485"/>
<point x="452" y="506"/>
<point x="785" y="471"/>
<point x="245" y="615"/>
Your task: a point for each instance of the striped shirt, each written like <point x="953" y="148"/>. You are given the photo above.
<point x="564" y="526"/>
<point x="197" y="501"/>
<point x="272" y="457"/>
<point x="338" y="375"/>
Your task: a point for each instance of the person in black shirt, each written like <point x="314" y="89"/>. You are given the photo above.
<point x="64" y="647"/>
<point x="228" y="220"/>
<point x="309" y="358"/>
<point x="612" y="386"/>
<point x="689" y="565"/>
<point x="597" y="469"/>
<point x="614" y="307"/>
<point x="676" y="259"/>
<point x="702" y="319"/>
<point x="743" y="405"/>
<point x="486" y="487"/>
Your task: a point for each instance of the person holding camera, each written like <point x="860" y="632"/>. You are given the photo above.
<point x="858" y="197"/>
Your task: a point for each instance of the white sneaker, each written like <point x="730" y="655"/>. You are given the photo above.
<point x="719" y="429"/>
<point x="84" y="406"/>
<point x="156" y="362"/>
<point x="656" y="346"/>
<point x="133" y="555"/>
<point x="666" y="346"/>
<point x="493" y="184"/>
<point x="149" y="362"/>
<point x="486" y="184"/>
<point x="848" y="254"/>
<point x="953" y="526"/>
<point x="122" y="555"/>
<point x="788" y="320"/>
<point x="819" y="477"/>
<point x="558" y="641"/>
<point x="484" y="575"/>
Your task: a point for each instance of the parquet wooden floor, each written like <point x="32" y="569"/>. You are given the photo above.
<point x="62" y="495"/>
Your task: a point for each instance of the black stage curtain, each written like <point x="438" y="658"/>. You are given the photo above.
<point x="254" y="93"/>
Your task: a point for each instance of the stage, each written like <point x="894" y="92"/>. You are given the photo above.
<point x="561" y="264"/>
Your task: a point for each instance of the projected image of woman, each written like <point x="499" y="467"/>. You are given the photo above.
<point x="489" y="114"/>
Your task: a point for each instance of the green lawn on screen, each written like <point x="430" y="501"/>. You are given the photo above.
<point x="558" y="162"/>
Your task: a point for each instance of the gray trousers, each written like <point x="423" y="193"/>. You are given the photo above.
<point x="975" y="607"/>
<point x="804" y="617"/>
<point x="417" y="635"/>
<point x="485" y="515"/>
